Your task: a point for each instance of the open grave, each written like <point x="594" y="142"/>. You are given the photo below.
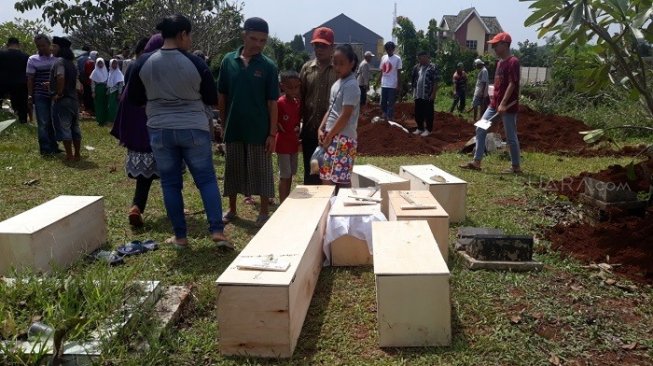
<point x="615" y="234"/>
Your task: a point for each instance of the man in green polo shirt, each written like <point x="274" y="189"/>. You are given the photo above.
<point x="248" y="89"/>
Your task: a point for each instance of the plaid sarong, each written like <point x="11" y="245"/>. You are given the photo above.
<point x="248" y="170"/>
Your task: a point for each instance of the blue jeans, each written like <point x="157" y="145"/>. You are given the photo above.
<point x="509" y="126"/>
<point x="47" y="141"/>
<point x="171" y="148"/>
<point x="388" y="98"/>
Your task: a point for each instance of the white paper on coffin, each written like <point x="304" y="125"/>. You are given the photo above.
<point x="263" y="263"/>
<point x="359" y="226"/>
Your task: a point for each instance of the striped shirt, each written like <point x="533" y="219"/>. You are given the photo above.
<point x="39" y="67"/>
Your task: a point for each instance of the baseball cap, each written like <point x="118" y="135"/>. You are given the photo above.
<point x="323" y="35"/>
<point x="256" y="25"/>
<point x="478" y="61"/>
<point x="368" y="53"/>
<point x="501" y="37"/>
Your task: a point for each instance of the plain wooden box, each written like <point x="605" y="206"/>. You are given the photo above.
<point x="348" y="250"/>
<point x="56" y="233"/>
<point x="412" y="286"/>
<point x="372" y="176"/>
<point x="452" y="194"/>
<point x="261" y="313"/>
<point x="438" y="218"/>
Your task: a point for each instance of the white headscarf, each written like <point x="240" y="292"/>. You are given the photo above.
<point x="100" y="74"/>
<point x="115" y="75"/>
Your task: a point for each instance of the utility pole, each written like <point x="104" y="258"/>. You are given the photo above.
<point x="394" y="24"/>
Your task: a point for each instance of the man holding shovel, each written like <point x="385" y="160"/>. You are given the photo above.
<point x="504" y="103"/>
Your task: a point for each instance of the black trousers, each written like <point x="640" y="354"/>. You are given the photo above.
<point x="18" y="96"/>
<point x="309" y="144"/>
<point x="363" y="95"/>
<point x="459" y="99"/>
<point x="142" y="192"/>
<point x="424" y="111"/>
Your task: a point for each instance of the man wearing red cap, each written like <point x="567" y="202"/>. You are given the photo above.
<point x="317" y="77"/>
<point x="504" y="103"/>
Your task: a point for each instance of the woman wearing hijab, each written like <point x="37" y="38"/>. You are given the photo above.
<point x="115" y="84"/>
<point x="130" y="128"/>
<point x="99" y="78"/>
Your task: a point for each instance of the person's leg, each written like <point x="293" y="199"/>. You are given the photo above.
<point x="283" y="160"/>
<point x="454" y="103"/>
<point x="76" y="134"/>
<point x="481" y="134"/>
<point x="309" y="144"/>
<point x="142" y="192"/>
<point x="101" y="104"/>
<point x="429" y="111"/>
<point x="419" y="115"/>
<point x="169" y="158"/>
<point x="88" y="100"/>
<point x="46" y="138"/>
<point x="384" y="101"/>
<point x="463" y="97"/>
<point x="363" y="95"/>
<point x="18" y="95"/>
<point x="197" y="152"/>
<point x="392" y="99"/>
<point x="112" y="107"/>
<point x="233" y="176"/>
<point x="262" y="181"/>
<point x="510" y="127"/>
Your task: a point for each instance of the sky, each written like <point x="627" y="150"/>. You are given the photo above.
<point x="289" y="17"/>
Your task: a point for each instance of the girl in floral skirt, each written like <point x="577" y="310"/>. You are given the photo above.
<point x="337" y="133"/>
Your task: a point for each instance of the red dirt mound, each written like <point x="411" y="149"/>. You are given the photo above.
<point x="571" y="187"/>
<point x="628" y="241"/>
<point x="537" y="132"/>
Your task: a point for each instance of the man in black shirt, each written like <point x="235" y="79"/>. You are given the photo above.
<point x="13" y="81"/>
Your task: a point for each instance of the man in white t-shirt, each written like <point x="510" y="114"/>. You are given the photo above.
<point x="390" y="83"/>
<point x="481" y="96"/>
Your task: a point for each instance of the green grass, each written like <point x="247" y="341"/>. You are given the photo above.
<point x="586" y="322"/>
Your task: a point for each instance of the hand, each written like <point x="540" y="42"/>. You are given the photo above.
<point x="326" y="141"/>
<point x="502" y="108"/>
<point x="46" y="84"/>
<point x="320" y="136"/>
<point x="270" y="143"/>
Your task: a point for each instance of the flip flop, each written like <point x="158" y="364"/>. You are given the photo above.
<point x="249" y="201"/>
<point x="228" y="217"/>
<point x="109" y="257"/>
<point x="131" y="248"/>
<point x="150" y="245"/>
<point x="224" y="243"/>
<point x="173" y="241"/>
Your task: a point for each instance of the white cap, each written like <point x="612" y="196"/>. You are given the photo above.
<point x="478" y="61"/>
<point x="368" y="53"/>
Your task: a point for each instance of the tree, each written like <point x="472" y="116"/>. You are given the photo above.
<point x="284" y="55"/>
<point x="107" y="25"/>
<point x="297" y="44"/>
<point x="215" y="26"/>
<point x="24" y="30"/>
<point x="620" y="54"/>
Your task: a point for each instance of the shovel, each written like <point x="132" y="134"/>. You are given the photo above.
<point x="487" y="123"/>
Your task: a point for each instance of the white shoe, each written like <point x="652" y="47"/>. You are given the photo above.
<point x="425" y="133"/>
<point x="418" y="132"/>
